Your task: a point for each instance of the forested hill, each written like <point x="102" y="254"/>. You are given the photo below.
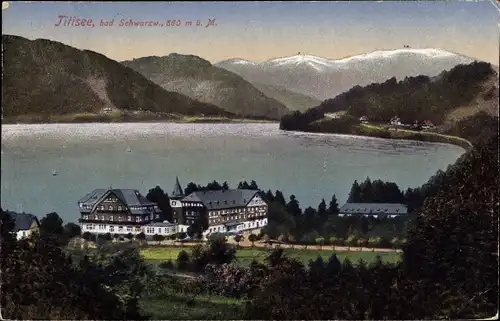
<point x="199" y="79"/>
<point x="43" y="77"/>
<point x="413" y="98"/>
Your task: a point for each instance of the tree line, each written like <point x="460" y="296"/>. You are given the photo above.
<point x="413" y="98"/>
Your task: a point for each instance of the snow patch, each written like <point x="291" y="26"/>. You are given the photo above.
<point x="323" y="64"/>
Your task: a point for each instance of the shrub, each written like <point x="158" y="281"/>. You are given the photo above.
<point x="167" y="264"/>
<point x="183" y="260"/>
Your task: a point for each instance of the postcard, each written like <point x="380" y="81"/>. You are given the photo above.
<point x="250" y="160"/>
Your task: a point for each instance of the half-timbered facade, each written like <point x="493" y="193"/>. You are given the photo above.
<point x="119" y="211"/>
<point x="229" y="211"/>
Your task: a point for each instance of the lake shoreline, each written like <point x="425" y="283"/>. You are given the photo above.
<point x="194" y="121"/>
<point x="114" y="119"/>
<point x="402" y="134"/>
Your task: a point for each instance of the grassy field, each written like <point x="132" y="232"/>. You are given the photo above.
<point x="156" y="255"/>
<point x="178" y="306"/>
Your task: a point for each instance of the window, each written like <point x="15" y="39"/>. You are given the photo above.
<point x="111" y="228"/>
<point x="129" y="228"/>
<point x="120" y="228"/>
<point x="150" y="230"/>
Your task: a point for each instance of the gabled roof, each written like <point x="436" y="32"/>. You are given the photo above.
<point x="177" y="192"/>
<point x="129" y="197"/>
<point x="23" y="221"/>
<point x="373" y="208"/>
<point x="223" y="198"/>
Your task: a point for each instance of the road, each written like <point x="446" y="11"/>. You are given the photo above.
<point x="247" y="244"/>
<point x="402" y="130"/>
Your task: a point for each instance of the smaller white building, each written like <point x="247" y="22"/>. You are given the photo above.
<point x="24" y="224"/>
<point x="236" y="227"/>
<point x="164" y="228"/>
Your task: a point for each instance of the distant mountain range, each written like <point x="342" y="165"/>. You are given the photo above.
<point x="48" y="78"/>
<point x="44" y="77"/>
<point x="323" y="78"/>
<point x="199" y="79"/>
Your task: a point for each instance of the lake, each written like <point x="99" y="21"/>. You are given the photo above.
<point x="143" y="155"/>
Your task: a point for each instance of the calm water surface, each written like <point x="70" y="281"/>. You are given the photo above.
<point x="141" y="156"/>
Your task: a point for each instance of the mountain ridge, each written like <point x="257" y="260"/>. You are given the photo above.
<point x="463" y="96"/>
<point x="49" y="78"/>
<point x="323" y="78"/>
<point x="345" y="58"/>
<point x="197" y="78"/>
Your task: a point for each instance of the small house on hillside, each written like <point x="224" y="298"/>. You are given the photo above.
<point x="24" y="224"/>
<point x="363" y="120"/>
<point x="395" y="121"/>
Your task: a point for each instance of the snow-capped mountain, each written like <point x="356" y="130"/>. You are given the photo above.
<point x="324" y="78"/>
<point x="317" y="63"/>
<point x="239" y="61"/>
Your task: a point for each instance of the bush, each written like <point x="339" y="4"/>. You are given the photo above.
<point x="252" y="238"/>
<point x="183" y="261"/>
<point x="232" y="280"/>
<point x="167" y="265"/>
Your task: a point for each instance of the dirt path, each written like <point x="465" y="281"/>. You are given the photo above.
<point x="246" y="244"/>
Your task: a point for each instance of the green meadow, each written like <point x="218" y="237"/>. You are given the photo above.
<point x="245" y="256"/>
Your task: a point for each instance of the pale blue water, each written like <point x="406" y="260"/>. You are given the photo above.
<point x="89" y="156"/>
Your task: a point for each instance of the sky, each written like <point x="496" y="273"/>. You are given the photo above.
<point x="259" y="31"/>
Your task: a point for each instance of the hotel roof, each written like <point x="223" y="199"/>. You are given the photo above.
<point x="222" y="199"/>
<point x="373" y="208"/>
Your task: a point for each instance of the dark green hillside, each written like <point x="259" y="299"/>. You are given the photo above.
<point x="414" y="98"/>
<point x="45" y="77"/>
<point x="199" y="79"/>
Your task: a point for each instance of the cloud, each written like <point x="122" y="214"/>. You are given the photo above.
<point x="5" y="5"/>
